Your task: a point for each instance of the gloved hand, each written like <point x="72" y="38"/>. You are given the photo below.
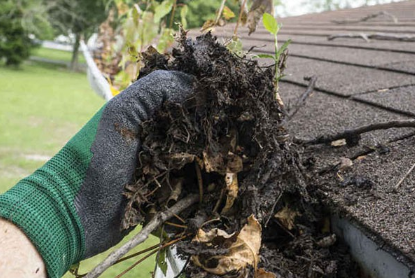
<point x="72" y="207"/>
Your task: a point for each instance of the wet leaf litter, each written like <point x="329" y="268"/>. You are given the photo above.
<point x="228" y="143"/>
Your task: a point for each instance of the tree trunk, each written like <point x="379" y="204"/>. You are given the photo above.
<point x="75" y="52"/>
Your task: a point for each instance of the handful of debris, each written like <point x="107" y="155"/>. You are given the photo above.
<point x="228" y="144"/>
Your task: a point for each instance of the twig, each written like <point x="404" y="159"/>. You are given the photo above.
<point x="272" y="210"/>
<point x="368" y="150"/>
<point x="235" y="31"/>
<point x="210" y="221"/>
<point x="137" y="253"/>
<point x="222" y="193"/>
<point x="351" y="36"/>
<point x="136" y="263"/>
<point x="302" y="99"/>
<point x="172" y="14"/>
<point x="160" y="247"/>
<point x="366" y="18"/>
<point x="222" y="6"/>
<point x="354" y="134"/>
<point x="154" y="223"/>
<point x="180" y="219"/>
<point x="175" y="225"/>
<point x="199" y="181"/>
<point x="285" y="229"/>
<point x="375" y="36"/>
<point x="404" y="177"/>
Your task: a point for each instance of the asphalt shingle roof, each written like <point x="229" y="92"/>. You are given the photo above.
<point x="359" y="83"/>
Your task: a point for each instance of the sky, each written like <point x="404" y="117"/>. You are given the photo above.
<point x="299" y="7"/>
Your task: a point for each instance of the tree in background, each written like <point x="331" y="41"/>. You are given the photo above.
<point x="80" y="17"/>
<point x="19" y="22"/>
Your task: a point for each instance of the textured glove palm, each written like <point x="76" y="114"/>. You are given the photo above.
<point x="72" y="207"/>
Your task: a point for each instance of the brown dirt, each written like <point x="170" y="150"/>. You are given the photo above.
<point x="233" y="124"/>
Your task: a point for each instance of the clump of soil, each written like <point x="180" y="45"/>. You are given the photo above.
<point x="229" y="144"/>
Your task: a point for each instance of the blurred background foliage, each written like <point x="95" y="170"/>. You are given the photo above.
<point x="25" y="22"/>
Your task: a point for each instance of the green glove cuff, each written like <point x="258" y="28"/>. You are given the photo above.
<point x="42" y="205"/>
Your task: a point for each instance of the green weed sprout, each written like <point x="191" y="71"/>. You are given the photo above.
<point x="272" y="26"/>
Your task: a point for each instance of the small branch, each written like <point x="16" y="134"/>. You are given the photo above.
<point x="172" y="14"/>
<point x="138" y="253"/>
<point x="164" y="246"/>
<point x="220" y="11"/>
<point x="150" y="254"/>
<point x="222" y="193"/>
<point x="349" y="36"/>
<point x="404" y="177"/>
<point x="175" y="225"/>
<point x="272" y="210"/>
<point x="354" y="134"/>
<point x="154" y="223"/>
<point x="302" y="99"/>
<point x="199" y="181"/>
<point x="179" y="218"/>
<point x="235" y="32"/>
<point x="136" y="263"/>
<point x="366" y="18"/>
<point x="374" y="36"/>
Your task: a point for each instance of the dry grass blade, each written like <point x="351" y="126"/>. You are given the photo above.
<point x="136" y="263"/>
<point x="404" y="177"/>
<point x="302" y="99"/>
<point x="149" y="255"/>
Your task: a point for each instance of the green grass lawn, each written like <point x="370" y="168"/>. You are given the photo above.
<point x="41" y="108"/>
<point x="54" y="54"/>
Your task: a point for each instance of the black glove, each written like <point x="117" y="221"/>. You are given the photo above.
<point x="72" y="207"/>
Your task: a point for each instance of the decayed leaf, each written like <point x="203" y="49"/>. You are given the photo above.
<point x="244" y="16"/>
<point x="287" y="216"/>
<point x="220" y="236"/>
<point x="208" y="25"/>
<point x="338" y="143"/>
<point x="327" y="241"/>
<point x="243" y="251"/>
<point x="177" y="185"/>
<point x="227" y="13"/>
<point x="262" y="273"/>
<point x="360" y="158"/>
<point x="232" y="187"/>
<point x="345" y="163"/>
<point x="213" y="163"/>
<point x="258" y="8"/>
<point x="179" y="160"/>
<point x="235" y="164"/>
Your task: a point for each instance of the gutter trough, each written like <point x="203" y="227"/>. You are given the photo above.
<point x="374" y="260"/>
